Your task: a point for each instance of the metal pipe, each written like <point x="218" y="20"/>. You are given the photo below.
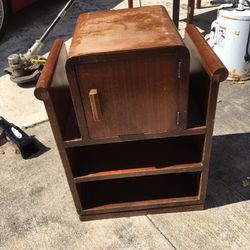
<point x="57" y="19"/>
<point x="36" y="47"/>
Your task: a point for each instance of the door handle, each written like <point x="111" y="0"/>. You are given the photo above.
<point x="95" y="105"/>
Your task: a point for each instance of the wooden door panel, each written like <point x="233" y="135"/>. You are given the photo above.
<point x="135" y="96"/>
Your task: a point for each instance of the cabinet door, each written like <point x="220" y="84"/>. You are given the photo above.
<point x="131" y="96"/>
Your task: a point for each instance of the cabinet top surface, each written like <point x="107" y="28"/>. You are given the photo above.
<point x="124" y="30"/>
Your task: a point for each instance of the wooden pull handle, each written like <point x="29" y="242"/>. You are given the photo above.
<point x="95" y="105"/>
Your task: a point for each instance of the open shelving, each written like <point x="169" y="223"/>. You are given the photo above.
<point x="135" y="174"/>
<point x="135" y="158"/>
<point x="138" y="192"/>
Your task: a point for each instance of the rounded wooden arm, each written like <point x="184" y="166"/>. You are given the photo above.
<point x="44" y="81"/>
<point x="211" y="63"/>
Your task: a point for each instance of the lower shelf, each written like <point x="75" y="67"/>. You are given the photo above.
<point x="141" y="212"/>
<point x="139" y="192"/>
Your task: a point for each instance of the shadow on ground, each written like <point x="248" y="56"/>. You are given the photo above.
<point x="29" y="24"/>
<point x="41" y="149"/>
<point x="229" y="167"/>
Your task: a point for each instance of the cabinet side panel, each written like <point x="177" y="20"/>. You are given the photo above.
<point x="61" y="99"/>
<point x="58" y="104"/>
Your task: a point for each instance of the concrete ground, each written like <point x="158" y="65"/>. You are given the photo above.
<point x="37" y="210"/>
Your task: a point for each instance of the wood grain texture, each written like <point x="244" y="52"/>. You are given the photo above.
<point x="124" y="30"/>
<point x="133" y="94"/>
<point x="95" y="105"/>
<point x="44" y="81"/>
<point x="128" y="156"/>
<point x="134" y="172"/>
<point x="207" y="71"/>
<point x="144" y="192"/>
<point x="141" y="89"/>
<point x="205" y="55"/>
<point x="196" y="130"/>
<point x="53" y="89"/>
<point x="141" y="212"/>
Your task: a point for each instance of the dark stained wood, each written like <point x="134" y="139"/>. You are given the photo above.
<point x="127" y="158"/>
<point x="41" y="90"/>
<point x="204" y="55"/>
<point x="132" y="107"/>
<point x="196" y="130"/>
<point x="140" y="205"/>
<point x="125" y="173"/>
<point x="53" y="86"/>
<point x="53" y="89"/>
<point x="196" y="111"/>
<point x="122" y="153"/>
<point x="124" y="30"/>
<point x="142" y="212"/>
<point x="127" y="71"/>
<point x="207" y="71"/>
<point x="70" y="128"/>
<point x="144" y="192"/>
<point x="213" y="93"/>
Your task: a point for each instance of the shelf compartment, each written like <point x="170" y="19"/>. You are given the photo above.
<point x="195" y="130"/>
<point x="139" y="192"/>
<point x="134" y="158"/>
<point x="143" y="171"/>
<point x="71" y="130"/>
<point x="65" y="113"/>
<point x="198" y="99"/>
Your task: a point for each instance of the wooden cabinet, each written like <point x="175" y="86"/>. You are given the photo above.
<point x="129" y="77"/>
<point x="133" y="112"/>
